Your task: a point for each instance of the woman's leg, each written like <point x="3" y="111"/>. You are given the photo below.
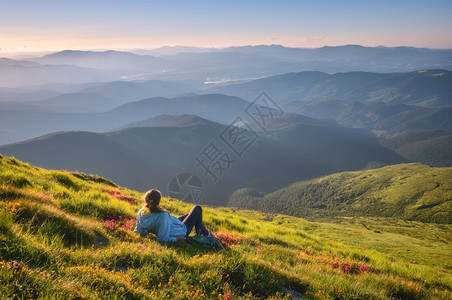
<point x="194" y="219"/>
<point x="182" y="218"/>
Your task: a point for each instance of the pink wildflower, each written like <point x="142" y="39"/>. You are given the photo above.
<point x="227" y="295"/>
<point x="271" y="250"/>
<point x="347" y="268"/>
<point x="364" y="268"/>
<point x="258" y="251"/>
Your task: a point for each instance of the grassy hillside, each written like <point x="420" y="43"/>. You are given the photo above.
<point x="57" y="241"/>
<point x="406" y="191"/>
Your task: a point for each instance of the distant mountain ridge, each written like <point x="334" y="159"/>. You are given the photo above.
<point x="420" y="87"/>
<point x="218" y="65"/>
<point x="110" y="59"/>
<point x="25" y="124"/>
<point x="387" y="103"/>
<point x="412" y="101"/>
<point x="23" y="75"/>
<point x="383" y="119"/>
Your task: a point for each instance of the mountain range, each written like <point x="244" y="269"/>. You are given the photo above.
<point x="142" y="118"/>
<point x="387" y="104"/>
<point x="215" y="65"/>
<point x="383" y="119"/>
<point x="295" y="148"/>
<point x="429" y="88"/>
<point x="20" y="122"/>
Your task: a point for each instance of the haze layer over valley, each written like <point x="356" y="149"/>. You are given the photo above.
<point x="274" y="115"/>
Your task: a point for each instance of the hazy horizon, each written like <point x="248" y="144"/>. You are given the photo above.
<point x="103" y="25"/>
<point x="37" y="53"/>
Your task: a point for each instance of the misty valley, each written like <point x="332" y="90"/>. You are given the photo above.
<point x="140" y="131"/>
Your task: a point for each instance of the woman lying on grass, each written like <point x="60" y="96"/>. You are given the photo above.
<point x="152" y="218"/>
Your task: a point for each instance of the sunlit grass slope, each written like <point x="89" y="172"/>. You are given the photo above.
<point x="69" y="236"/>
<point x="407" y="191"/>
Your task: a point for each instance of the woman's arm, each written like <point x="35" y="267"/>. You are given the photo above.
<point x="138" y="228"/>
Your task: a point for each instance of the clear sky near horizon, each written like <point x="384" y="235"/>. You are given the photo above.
<point x="52" y="25"/>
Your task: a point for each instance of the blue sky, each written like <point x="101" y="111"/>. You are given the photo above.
<point x="27" y="25"/>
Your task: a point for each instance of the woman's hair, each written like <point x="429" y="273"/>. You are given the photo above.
<point x="152" y="200"/>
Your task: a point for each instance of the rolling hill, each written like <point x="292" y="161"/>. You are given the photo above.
<point x="173" y="121"/>
<point x="69" y="235"/>
<point x="296" y="148"/>
<point x="215" y="107"/>
<point x="21" y="123"/>
<point x="387" y="104"/>
<point x="383" y="119"/>
<point x="425" y="87"/>
<point x="407" y="191"/>
<point x="431" y="147"/>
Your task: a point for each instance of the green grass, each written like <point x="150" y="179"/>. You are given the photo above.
<point x="55" y="244"/>
<point x="408" y="191"/>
